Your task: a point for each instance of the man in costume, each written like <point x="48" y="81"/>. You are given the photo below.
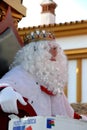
<point x="37" y="78"/>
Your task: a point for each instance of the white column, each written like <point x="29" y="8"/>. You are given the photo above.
<point x="47" y="18"/>
<point x="72" y="81"/>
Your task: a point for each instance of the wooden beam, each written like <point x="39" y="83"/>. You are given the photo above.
<point x="79" y="81"/>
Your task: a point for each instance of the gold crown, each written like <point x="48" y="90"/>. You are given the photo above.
<point x="38" y="35"/>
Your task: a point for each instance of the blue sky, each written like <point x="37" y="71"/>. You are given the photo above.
<point x="66" y="11"/>
<point x="82" y="3"/>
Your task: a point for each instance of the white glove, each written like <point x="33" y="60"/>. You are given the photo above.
<point x="84" y="117"/>
<point x="8" y="100"/>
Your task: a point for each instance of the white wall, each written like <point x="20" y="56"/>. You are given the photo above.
<point x="73" y="42"/>
<point x="71" y="89"/>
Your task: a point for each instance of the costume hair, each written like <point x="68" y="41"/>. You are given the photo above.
<point x="35" y="59"/>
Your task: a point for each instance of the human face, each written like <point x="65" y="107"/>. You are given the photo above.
<point x="53" y="52"/>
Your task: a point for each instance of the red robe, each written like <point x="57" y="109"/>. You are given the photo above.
<point x="23" y="111"/>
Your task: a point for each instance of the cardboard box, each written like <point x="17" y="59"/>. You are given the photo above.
<point x="47" y="123"/>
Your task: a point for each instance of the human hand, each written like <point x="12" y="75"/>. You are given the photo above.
<point x="8" y="100"/>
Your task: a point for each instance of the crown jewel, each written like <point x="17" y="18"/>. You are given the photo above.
<point x="38" y="35"/>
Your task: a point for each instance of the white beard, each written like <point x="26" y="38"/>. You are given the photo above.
<point x="51" y="74"/>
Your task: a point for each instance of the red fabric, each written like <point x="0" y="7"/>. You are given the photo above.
<point x="3" y="120"/>
<point x="44" y="89"/>
<point x="77" y="116"/>
<point x="28" y="109"/>
<point x="23" y="111"/>
<point x="2" y="87"/>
